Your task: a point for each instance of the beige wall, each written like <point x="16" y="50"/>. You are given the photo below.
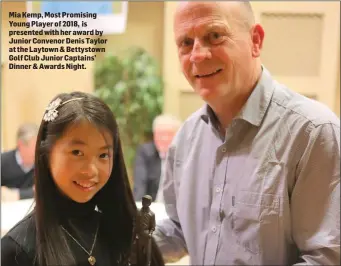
<point x="301" y="45"/>
<point x="25" y="93"/>
<point x="337" y="98"/>
<point x="144" y="29"/>
<point x="175" y="83"/>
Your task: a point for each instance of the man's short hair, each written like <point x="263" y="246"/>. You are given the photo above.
<point x="166" y="120"/>
<point x="250" y="16"/>
<point x="26" y="132"/>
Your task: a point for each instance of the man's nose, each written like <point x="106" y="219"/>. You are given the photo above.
<point x="200" y="52"/>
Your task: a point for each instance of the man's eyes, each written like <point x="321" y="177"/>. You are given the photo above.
<point x="212" y="37"/>
<point x="186" y="42"/>
<point x="215" y="37"/>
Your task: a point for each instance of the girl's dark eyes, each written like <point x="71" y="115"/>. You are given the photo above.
<point x="80" y="153"/>
<point x="77" y="153"/>
<point x="104" y="156"/>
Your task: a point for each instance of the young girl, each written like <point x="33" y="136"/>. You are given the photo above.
<point x="84" y="212"/>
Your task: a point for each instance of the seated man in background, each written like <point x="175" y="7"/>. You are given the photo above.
<point x="150" y="157"/>
<point x="17" y="166"/>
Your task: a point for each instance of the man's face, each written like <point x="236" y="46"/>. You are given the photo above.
<point x="215" y="48"/>
<point x="27" y="150"/>
<point x="163" y="137"/>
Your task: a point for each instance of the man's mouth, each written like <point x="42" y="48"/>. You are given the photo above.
<point x="209" y="74"/>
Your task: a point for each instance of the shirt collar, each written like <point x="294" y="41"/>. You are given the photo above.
<point x="20" y="162"/>
<point x="255" y="107"/>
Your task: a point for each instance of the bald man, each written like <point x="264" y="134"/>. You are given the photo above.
<point x="253" y="177"/>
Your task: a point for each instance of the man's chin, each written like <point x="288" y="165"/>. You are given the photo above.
<point x="206" y="94"/>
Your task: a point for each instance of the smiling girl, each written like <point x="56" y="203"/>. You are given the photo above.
<point x="84" y="209"/>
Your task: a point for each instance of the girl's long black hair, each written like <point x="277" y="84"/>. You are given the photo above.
<point x="115" y="199"/>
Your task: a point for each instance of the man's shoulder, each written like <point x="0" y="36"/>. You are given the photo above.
<point x="8" y="155"/>
<point x="147" y="145"/>
<point x="192" y="124"/>
<point x="148" y="148"/>
<point x="195" y="118"/>
<point x="303" y="108"/>
<point x="183" y="139"/>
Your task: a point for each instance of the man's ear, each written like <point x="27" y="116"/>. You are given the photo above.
<point x="257" y="37"/>
<point x="19" y="144"/>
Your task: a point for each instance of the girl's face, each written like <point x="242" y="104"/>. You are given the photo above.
<point x="81" y="161"/>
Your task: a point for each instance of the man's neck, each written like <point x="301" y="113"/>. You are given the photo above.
<point x="227" y="110"/>
<point x="24" y="166"/>
<point x="162" y="155"/>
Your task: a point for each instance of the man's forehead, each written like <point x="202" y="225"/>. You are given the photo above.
<point x="206" y="8"/>
<point x="30" y="139"/>
<point x="199" y="15"/>
<point x="200" y="27"/>
<point x="165" y="128"/>
<point x="187" y="11"/>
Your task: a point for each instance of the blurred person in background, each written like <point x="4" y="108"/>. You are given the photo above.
<point x="150" y="158"/>
<point x="17" y="166"/>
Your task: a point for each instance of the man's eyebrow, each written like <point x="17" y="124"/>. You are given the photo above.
<point x="180" y="36"/>
<point x="184" y="33"/>
<point x="217" y="27"/>
<point x="204" y="30"/>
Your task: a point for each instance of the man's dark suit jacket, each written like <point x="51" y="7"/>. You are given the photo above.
<point x="147" y="171"/>
<point x="12" y="176"/>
